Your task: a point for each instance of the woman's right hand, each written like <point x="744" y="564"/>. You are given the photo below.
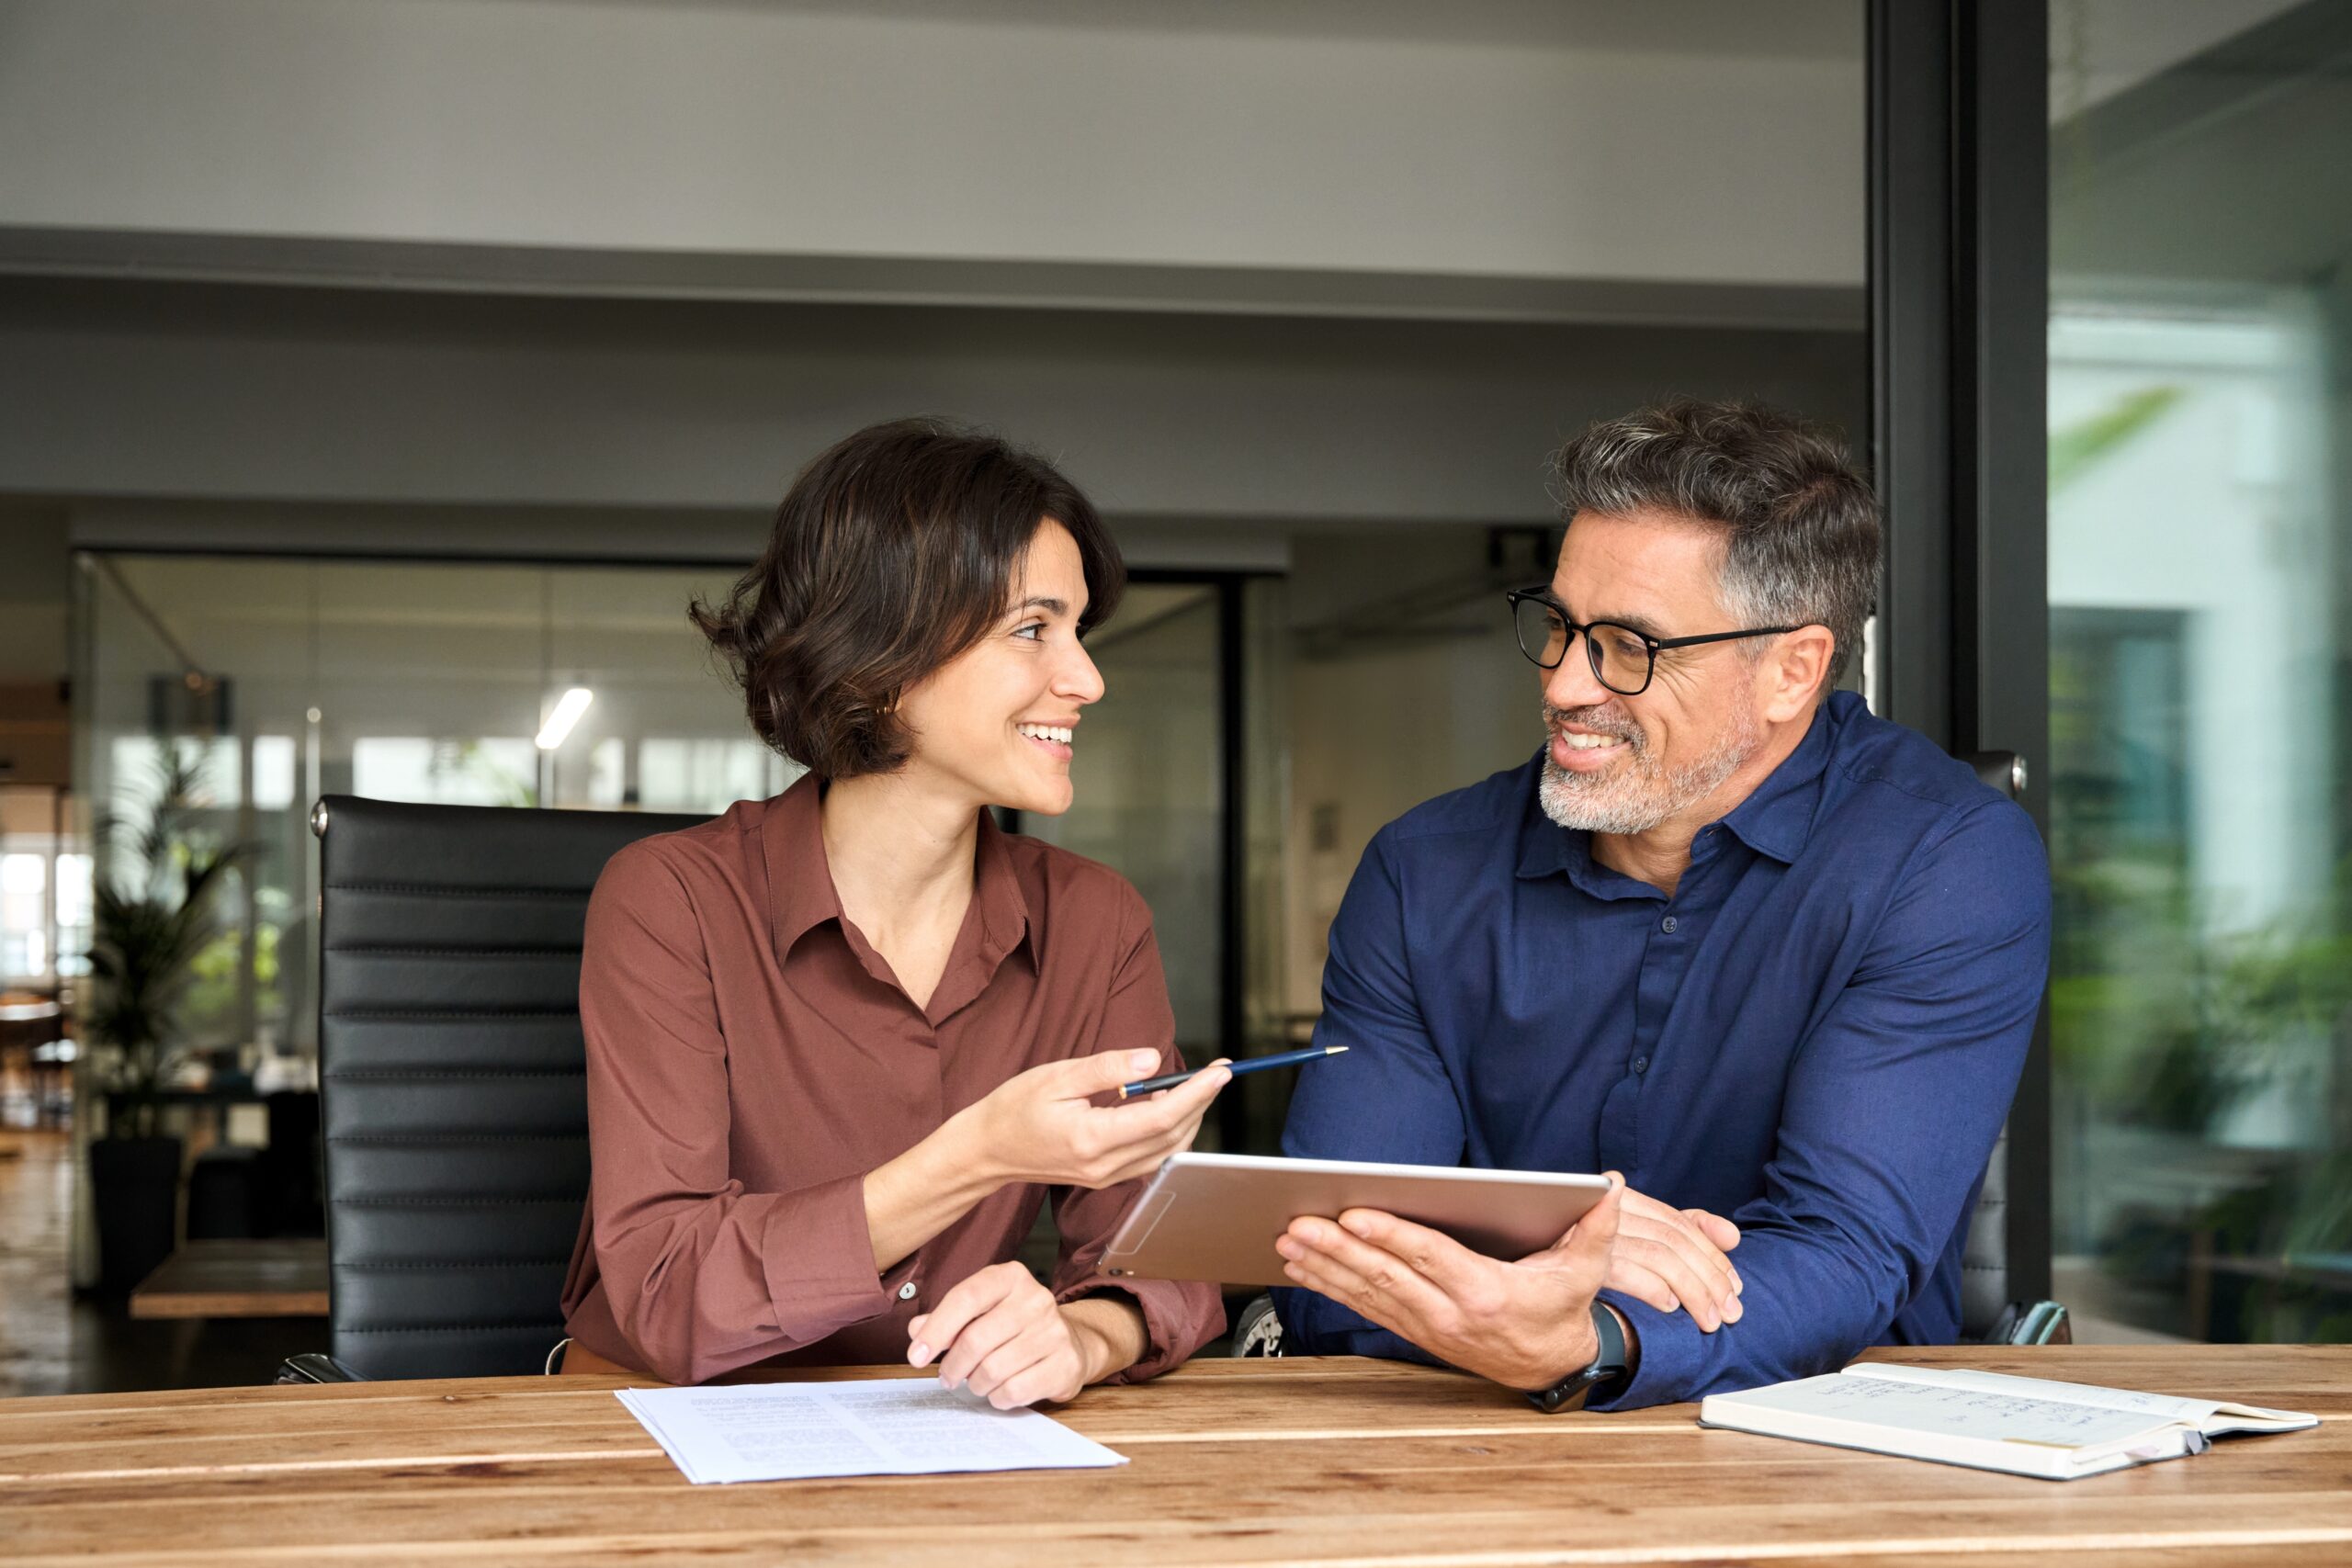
<point x="1042" y="1126"/>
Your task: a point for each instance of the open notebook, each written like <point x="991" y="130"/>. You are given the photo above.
<point x="2058" y="1431"/>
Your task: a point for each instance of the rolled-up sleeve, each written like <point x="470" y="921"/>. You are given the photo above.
<point x="1180" y="1316"/>
<point x="702" y="1276"/>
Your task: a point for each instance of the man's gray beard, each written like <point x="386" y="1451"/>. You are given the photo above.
<point x="1638" y="797"/>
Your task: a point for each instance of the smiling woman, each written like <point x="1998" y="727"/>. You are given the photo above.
<point x="827" y="1090"/>
<point x="894" y="552"/>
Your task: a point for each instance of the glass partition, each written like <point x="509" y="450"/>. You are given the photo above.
<point x="44" y="889"/>
<point x="2200" y="693"/>
<point x="275" y="681"/>
<point x="1149" y="772"/>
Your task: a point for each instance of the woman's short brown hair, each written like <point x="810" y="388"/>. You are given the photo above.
<point x="893" y="552"/>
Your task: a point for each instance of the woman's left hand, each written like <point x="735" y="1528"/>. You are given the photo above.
<point x="1001" y="1335"/>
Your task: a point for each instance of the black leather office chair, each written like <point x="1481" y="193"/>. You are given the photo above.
<point x="451" y="1079"/>
<point x="1988" y="1315"/>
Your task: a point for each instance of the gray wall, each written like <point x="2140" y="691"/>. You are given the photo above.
<point x="1477" y="136"/>
<point x="677" y="411"/>
<point x="34" y="592"/>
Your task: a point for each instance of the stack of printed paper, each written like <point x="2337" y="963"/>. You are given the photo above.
<point x="874" y="1427"/>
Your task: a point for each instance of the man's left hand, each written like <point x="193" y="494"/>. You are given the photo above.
<point x="1525" y="1324"/>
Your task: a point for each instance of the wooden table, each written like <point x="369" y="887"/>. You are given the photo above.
<point x="280" y="1278"/>
<point x="1329" y="1461"/>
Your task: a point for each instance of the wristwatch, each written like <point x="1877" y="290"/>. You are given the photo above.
<point x="1600" y="1379"/>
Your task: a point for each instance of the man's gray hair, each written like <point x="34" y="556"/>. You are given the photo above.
<point x="1800" y="526"/>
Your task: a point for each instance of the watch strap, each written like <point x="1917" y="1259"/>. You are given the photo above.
<point x="1602" y="1376"/>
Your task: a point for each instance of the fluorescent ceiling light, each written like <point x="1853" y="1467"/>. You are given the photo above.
<point x="568" y="709"/>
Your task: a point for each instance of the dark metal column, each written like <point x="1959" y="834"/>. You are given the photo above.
<point x="1233" y="1109"/>
<point x="1911" y="354"/>
<point x="1959" y="133"/>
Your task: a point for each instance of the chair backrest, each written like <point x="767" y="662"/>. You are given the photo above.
<point x="1985" y="1257"/>
<point x="1985" y="1297"/>
<point x="452" y="1075"/>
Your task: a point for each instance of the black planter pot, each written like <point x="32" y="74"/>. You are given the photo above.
<point x="135" y="1186"/>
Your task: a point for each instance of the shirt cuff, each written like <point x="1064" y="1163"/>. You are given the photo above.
<point x="817" y="1256"/>
<point x="1668" y="1354"/>
<point x="1316" y="1325"/>
<point x="1179" y="1317"/>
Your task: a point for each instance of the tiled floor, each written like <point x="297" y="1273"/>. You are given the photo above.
<point x="36" y="1204"/>
<point x="52" y="1343"/>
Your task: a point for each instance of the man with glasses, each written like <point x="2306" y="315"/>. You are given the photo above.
<point x="1771" y="959"/>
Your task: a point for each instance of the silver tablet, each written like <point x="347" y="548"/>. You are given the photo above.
<point x="1216" y="1216"/>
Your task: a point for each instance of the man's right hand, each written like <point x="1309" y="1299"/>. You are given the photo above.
<point x="1525" y="1324"/>
<point x="1043" y="1126"/>
<point x="1674" y="1257"/>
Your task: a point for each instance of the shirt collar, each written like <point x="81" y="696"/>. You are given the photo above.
<point x="1775" y="819"/>
<point x="800" y="884"/>
<point x="801" y="894"/>
<point x="996" y="892"/>
<point x="1546" y="849"/>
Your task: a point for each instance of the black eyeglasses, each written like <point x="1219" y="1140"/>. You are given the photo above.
<point x="1622" y="659"/>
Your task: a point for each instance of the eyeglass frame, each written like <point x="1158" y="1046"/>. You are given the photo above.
<point x="1655" y="645"/>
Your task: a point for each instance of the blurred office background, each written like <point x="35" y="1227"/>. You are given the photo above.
<point x="2200" y="627"/>
<point x="377" y="371"/>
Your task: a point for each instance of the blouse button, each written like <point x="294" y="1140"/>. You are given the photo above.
<point x="907" y="1292"/>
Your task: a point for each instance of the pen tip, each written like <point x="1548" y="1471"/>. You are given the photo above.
<point x="1334" y="1050"/>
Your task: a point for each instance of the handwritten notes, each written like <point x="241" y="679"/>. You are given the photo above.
<point x="2059" y="1431"/>
<point x="1952" y="1412"/>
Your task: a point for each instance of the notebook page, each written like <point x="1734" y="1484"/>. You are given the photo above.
<point x="2160" y="1406"/>
<point x="1939" y="1411"/>
<point x="2212" y="1416"/>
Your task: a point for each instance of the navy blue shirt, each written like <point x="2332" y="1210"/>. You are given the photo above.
<point x="1818" y="1036"/>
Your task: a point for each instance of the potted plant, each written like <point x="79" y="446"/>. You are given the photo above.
<point x="151" y="914"/>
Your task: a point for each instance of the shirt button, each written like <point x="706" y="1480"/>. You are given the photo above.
<point x="1640" y="1063"/>
<point x="1668" y="925"/>
<point x="907" y="1292"/>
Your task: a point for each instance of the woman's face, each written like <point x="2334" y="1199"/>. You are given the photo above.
<point x="997" y="721"/>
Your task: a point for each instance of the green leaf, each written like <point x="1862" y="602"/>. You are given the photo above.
<point x="2080" y="445"/>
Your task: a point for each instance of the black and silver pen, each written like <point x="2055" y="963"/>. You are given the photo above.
<point x="1247" y="1065"/>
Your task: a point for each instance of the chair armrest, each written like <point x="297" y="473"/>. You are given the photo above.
<point x="314" y="1366"/>
<point x="2043" y="1323"/>
<point x="2030" y="1323"/>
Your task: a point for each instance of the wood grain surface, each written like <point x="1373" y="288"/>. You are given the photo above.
<point x="1329" y="1461"/>
<point x="284" y="1278"/>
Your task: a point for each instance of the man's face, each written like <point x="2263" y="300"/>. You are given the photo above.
<point x="1621" y="764"/>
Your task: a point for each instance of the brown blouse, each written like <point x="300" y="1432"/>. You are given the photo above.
<point x="751" y="1057"/>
